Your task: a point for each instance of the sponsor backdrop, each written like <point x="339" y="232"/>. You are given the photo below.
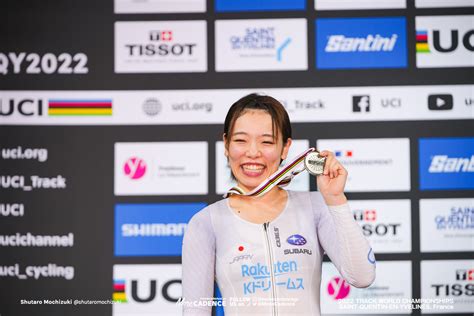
<point x="111" y="119"/>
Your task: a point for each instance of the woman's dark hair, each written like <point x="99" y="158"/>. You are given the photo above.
<point x="280" y="119"/>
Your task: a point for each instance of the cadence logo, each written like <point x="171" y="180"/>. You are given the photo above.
<point x="385" y="223"/>
<point x="364" y="161"/>
<point x="446" y="224"/>
<point x="252" y="5"/>
<point x="144" y="289"/>
<point x="165" y="46"/>
<point x="134" y="168"/>
<point x="247" y="45"/>
<point x="152" y="229"/>
<point x="453" y="279"/>
<point x="445" y="41"/>
<point x="343" y="43"/>
<point x="446" y="163"/>
<point x="338" y="288"/>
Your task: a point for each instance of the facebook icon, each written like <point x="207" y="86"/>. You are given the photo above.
<point x="360" y="103"/>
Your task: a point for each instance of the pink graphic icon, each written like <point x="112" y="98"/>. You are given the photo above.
<point x="338" y="288"/>
<point x="134" y="168"/>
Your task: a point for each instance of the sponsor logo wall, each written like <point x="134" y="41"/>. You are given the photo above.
<point x="385" y="223"/>
<point x="165" y="46"/>
<point x="451" y="280"/>
<point x="445" y="41"/>
<point x="367" y="159"/>
<point x="335" y="291"/>
<point x="152" y="229"/>
<point x="266" y="45"/>
<point x="446" y="163"/>
<point x="146" y="288"/>
<point x="446" y="225"/>
<point x="166" y="168"/>
<point x="111" y="142"/>
<point x="344" y="43"/>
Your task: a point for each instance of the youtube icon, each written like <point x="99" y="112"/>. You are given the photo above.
<point x="440" y="102"/>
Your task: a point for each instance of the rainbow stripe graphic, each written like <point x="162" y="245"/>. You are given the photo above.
<point x="119" y="291"/>
<point x="422" y="42"/>
<point x="63" y="107"/>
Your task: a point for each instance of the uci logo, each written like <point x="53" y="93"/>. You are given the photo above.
<point x="449" y="42"/>
<point x="24" y="107"/>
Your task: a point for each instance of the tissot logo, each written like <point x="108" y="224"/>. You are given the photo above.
<point x="23" y="107"/>
<point x="361" y="103"/>
<point x="164" y="36"/>
<point x="440" y="102"/>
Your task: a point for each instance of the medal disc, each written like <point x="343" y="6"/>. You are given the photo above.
<point x="314" y="163"/>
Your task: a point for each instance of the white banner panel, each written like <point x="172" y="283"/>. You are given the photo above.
<point x="263" y="44"/>
<point x="159" y="6"/>
<point x="392" y="284"/>
<point x="164" y="46"/>
<point x="447" y="225"/>
<point x="444" y="41"/>
<point x="385" y="223"/>
<point x="164" y="168"/>
<point x="224" y="181"/>
<point x="449" y="284"/>
<point x="164" y="107"/>
<point x="359" y="5"/>
<point x="373" y="164"/>
<point x="443" y="3"/>
<point x="148" y="289"/>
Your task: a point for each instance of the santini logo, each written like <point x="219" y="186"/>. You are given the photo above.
<point x="377" y="43"/>
<point x="445" y="164"/>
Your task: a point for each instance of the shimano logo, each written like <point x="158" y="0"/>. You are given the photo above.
<point x="377" y="43"/>
<point x="445" y="164"/>
<point x="155" y="229"/>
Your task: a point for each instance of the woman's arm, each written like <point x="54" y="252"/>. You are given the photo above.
<point x="343" y="241"/>
<point x="198" y="262"/>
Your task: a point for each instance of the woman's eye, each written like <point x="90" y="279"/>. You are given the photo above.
<point x="268" y="142"/>
<point x="239" y="140"/>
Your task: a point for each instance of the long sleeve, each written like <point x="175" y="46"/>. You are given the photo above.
<point x="343" y="241"/>
<point x="198" y="262"/>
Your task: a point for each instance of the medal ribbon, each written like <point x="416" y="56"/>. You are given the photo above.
<point x="282" y="177"/>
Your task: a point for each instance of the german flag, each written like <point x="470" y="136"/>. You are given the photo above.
<point x="63" y="107"/>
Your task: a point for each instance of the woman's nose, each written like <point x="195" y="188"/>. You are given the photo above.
<point x="253" y="150"/>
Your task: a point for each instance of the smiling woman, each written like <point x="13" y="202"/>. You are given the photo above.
<point x="269" y="248"/>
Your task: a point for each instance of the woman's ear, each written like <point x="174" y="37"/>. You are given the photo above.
<point x="224" y="139"/>
<point x="286" y="149"/>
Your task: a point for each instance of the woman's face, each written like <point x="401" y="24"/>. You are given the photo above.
<point x="253" y="151"/>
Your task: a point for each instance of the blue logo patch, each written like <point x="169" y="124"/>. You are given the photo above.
<point x="152" y="229"/>
<point x="260" y="5"/>
<point x="296" y="240"/>
<point x="371" y="256"/>
<point x="446" y="163"/>
<point x="345" y="43"/>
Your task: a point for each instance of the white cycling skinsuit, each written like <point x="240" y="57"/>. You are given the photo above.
<point x="280" y="260"/>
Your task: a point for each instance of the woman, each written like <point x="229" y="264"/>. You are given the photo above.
<point x="270" y="248"/>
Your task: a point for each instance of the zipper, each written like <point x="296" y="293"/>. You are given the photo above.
<point x="272" y="273"/>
